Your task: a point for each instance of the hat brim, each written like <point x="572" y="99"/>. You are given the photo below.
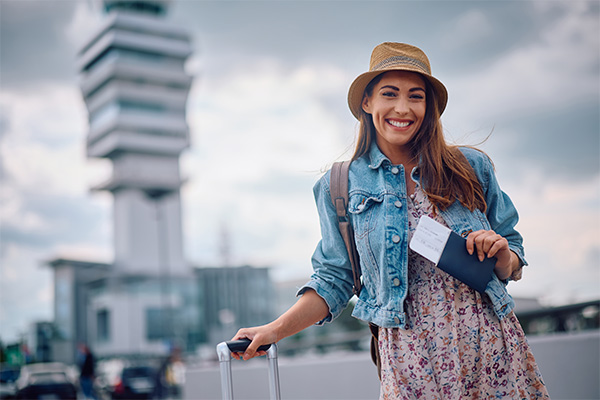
<point x="357" y="89"/>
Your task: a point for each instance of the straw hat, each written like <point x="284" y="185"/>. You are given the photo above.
<point x="395" y="57"/>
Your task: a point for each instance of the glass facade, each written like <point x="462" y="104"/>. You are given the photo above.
<point x="63" y="304"/>
<point x="232" y="297"/>
<point x="103" y="326"/>
<point x="157" y="324"/>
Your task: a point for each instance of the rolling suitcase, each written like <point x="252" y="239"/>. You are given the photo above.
<point x="224" y="350"/>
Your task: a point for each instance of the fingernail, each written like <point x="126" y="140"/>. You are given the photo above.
<point x="246" y="356"/>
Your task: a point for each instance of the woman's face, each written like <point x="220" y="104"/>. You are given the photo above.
<point x="397" y="106"/>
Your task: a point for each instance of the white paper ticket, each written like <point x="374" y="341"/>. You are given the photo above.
<point x="429" y="239"/>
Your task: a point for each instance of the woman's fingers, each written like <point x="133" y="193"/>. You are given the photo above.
<point x="241" y="334"/>
<point x="251" y="350"/>
<point x="486" y="243"/>
<point x="490" y="244"/>
<point x="499" y="245"/>
<point x="475" y="243"/>
<point x="257" y="339"/>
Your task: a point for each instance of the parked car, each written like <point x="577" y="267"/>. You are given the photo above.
<point x="45" y="381"/>
<point x="8" y="377"/>
<point x="135" y="382"/>
<point x="108" y="374"/>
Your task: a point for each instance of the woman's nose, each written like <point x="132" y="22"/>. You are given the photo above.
<point x="401" y="106"/>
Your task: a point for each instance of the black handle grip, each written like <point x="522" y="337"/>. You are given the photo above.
<point x="240" y="346"/>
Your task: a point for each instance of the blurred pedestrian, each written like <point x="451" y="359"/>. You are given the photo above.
<point x="176" y="374"/>
<point x="161" y="387"/>
<point x="87" y="372"/>
<point x="170" y="376"/>
<point x="438" y="338"/>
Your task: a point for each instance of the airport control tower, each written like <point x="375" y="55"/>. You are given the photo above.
<point x="149" y="299"/>
<point x="135" y="89"/>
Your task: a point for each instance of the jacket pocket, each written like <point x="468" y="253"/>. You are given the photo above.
<point x="362" y="209"/>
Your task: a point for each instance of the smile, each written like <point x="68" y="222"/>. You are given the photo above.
<point x="399" y="124"/>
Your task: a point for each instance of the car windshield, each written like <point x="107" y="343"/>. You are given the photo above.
<point x="9" y="374"/>
<point x="138" y="372"/>
<point x="48" y="377"/>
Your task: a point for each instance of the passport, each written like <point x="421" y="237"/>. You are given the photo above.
<point x="448" y="250"/>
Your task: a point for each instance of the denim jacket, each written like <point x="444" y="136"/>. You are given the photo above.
<point x="378" y="212"/>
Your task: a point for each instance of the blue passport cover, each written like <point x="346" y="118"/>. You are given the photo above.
<point x="465" y="267"/>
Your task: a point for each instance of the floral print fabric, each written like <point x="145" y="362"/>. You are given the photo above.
<point x="454" y="347"/>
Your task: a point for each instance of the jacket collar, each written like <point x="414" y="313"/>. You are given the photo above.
<point x="376" y="157"/>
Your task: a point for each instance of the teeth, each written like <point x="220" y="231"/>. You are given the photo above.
<point x="399" y="124"/>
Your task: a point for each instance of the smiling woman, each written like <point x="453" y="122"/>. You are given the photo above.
<point x="395" y="101"/>
<point x="436" y="336"/>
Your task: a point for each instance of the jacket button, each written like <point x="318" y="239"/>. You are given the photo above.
<point x="398" y="204"/>
<point x="396" y="239"/>
<point x="396" y="320"/>
<point x="395" y="170"/>
<point x="396" y="282"/>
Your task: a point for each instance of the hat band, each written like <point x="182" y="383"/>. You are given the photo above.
<point x="395" y="60"/>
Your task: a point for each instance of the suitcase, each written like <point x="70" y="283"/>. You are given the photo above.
<point x="224" y="350"/>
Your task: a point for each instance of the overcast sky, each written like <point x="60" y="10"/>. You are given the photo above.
<point x="268" y="113"/>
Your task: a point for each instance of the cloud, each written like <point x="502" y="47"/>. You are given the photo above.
<point x="44" y="138"/>
<point x="260" y="138"/>
<point x="462" y="31"/>
<point x="83" y="24"/>
<point x="46" y="209"/>
<point x="32" y="43"/>
<point x="541" y="96"/>
<point x="24" y="287"/>
<point x="559" y="223"/>
<point x="562" y="62"/>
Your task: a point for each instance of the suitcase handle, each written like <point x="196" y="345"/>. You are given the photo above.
<point x="224" y="350"/>
<point x="240" y="346"/>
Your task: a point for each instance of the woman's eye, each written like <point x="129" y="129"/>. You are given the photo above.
<point x="417" y="96"/>
<point x="389" y="94"/>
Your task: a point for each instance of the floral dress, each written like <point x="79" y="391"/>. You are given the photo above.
<point x="454" y="346"/>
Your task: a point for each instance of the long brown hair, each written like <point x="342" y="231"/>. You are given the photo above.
<point x="445" y="173"/>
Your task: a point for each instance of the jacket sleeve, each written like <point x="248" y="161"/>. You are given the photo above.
<point x="501" y="212"/>
<point x="332" y="277"/>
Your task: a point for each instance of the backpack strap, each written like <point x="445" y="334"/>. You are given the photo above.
<point x="339" y="197"/>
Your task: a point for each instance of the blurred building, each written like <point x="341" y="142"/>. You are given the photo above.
<point x="149" y="299"/>
<point x="135" y="88"/>
<point x="234" y="297"/>
<point x="144" y="316"/>
<point x="40" y="341"/>
<point x="573" y="317"/>
<point x="71" y="297"/>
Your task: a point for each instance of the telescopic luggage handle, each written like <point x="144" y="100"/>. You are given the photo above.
<point x="240" y="346"/>
<point x="224" y="350"/>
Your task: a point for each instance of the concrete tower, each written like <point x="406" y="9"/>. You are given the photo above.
<point x="135" y="89"/>
<point x="149" y="299"/>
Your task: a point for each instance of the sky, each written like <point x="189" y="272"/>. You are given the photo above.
<point x="268" y="115"/>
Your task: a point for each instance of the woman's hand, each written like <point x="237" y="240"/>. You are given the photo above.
<point x="308" y="310"/>
<point x="490" y="244"/>
<point x="259" y="335"/>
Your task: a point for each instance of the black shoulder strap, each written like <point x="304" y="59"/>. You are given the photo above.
<point x="339" y="197"/>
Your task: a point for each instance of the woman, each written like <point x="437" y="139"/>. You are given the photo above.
<point x="438" y="338"/>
